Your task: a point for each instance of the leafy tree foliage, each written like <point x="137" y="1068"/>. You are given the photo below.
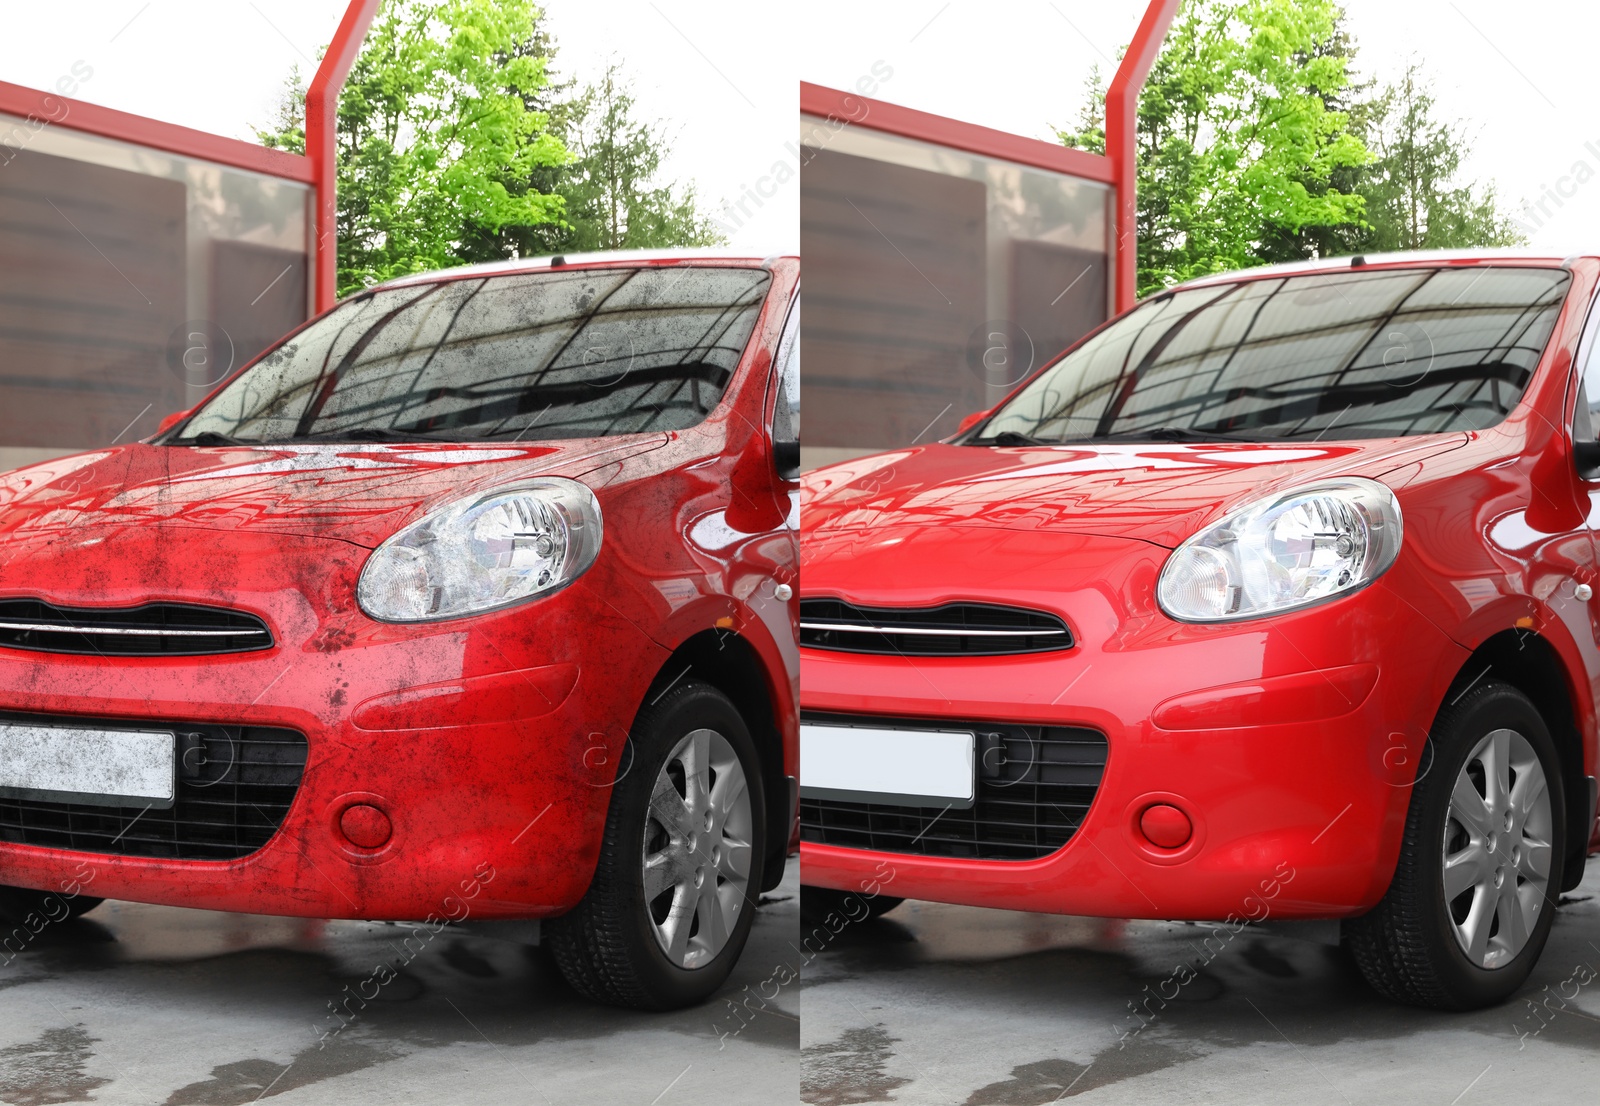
<point x="1415" y="198"/>
<point x="1255" y="145"/>
<point x="613" y="198"/>
<point x="455" y="145"/>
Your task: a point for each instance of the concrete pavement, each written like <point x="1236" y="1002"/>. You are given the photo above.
<point x="957" y="1005"/>
<point x="144" y="1004"/>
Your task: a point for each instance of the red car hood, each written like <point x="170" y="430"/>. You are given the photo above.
<point x="1157" y="493"/>
<point x="355" y="493"/>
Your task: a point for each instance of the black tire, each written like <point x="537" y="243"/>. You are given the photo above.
<point x="1406" y="947"/>
<point x="606" y="947"/>
<point x="17" y="904"/>
<point x="816" y="903"/>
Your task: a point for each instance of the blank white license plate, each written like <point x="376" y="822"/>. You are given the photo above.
<point x="98" y="767"/>
<point x="898" y="767"/>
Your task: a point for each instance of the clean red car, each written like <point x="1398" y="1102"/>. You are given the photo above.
<point x="472" y="597"/>
<point x="1274" y="596"/>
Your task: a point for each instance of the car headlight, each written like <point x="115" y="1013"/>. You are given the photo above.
<point x="1287" y="551"/>
<point x="483" y="552"/>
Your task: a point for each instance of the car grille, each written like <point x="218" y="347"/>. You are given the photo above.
<point x="951" y="630"/>
<point x="235" y="785"/>
<point x="153" y="630"/>
<point x="1035" y="784"/>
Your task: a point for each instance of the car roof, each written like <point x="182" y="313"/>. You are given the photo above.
<point x="1521" y="256"/>
<point x="578" y="260"/>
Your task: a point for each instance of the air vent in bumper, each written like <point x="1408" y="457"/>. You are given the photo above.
<point x="235" y="785"/>
<point x="1035" y="785"/>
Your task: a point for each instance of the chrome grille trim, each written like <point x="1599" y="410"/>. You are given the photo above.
<point x="74" y="628"/>
<point x="158" y="629"/>
<point x="953" y="629"/>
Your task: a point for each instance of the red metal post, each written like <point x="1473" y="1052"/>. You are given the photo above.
<point x="322" y="107"/>
<point x="1122" y="112"/>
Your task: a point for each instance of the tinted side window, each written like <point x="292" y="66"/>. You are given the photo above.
<point x="786" y="413"/>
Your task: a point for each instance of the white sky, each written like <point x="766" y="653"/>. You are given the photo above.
<point x="724" y="75"/>
<point x="219" y="66"/>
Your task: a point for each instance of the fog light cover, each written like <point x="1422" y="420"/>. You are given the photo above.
<point x="1284" y="552"/>
<point x="484" y="552"/>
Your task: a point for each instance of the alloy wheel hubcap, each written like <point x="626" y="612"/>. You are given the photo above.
<point x="697" y="849"/>
<point x="1497" y="849"/>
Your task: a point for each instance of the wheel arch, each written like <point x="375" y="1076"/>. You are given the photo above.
<point x="1532" y="664"/>
<point x="729" y="662"/>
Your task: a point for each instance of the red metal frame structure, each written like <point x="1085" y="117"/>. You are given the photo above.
<point x="878" y="115"/>
<point x="39" y="108"/>
<point x="1122" y="114"/>
<point x="1118" y="168"/>
<point x="54" y="110"/>
<point x="322" y="111"/>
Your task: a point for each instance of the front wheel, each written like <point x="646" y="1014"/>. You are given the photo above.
<point x="673" y="896"/>
<point x="1474" y="894"/>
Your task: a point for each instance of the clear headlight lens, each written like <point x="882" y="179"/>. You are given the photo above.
<point x="483" y="552"/>
<point x="1284" y="552"/>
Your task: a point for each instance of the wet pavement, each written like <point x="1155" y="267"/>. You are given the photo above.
<point x="958" y="1005"/>
<point x="146" y="1004"/>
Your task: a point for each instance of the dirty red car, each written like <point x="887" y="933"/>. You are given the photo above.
<point x="1272" y="598"/>
<point x="471" y="598"/>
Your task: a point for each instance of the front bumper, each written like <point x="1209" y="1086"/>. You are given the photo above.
<point x="1290" y="742"/>
<point x="490" y="742"/>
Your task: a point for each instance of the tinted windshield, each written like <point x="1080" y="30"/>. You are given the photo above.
<point x="1351" y="354"/>
<point x="577" y="354"/>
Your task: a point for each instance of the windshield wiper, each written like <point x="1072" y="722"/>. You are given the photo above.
<point x="210" y="437"/>
<point x="1174" y="434"/>
<point x="1010" y="437"/>
<point x="1154" y="434"/>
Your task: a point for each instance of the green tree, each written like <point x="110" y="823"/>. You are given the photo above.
<point x="615" y="199"/>
<point x="433" y="123"/>
<point x="1415" y="197"/>
<point x="1352" y="100"/>
<point x="457" y="144"/>
<point x="556" y="101"/>
<point x="1236" y="138"/>
<point x="614" y="196"/>
<point x="1255" y="145"/>
<point x="287" y="130"/>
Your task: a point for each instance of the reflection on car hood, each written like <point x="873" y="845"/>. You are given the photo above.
<point x="355" y="493"/>
<point x="1160" y="493"/>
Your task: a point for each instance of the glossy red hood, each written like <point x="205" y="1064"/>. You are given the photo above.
<point x="1157" y="493"/>
<point x="354" y="493"/>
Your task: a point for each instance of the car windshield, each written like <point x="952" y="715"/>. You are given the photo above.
<point x="582" y="353"/>
<point x="1347" y="354"/>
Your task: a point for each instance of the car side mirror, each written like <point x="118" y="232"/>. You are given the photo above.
<point x="972" y="420"/>
<point x="786" y="458"/>
<point x="1586" y="455"/>
<point x="170" y="421"/>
